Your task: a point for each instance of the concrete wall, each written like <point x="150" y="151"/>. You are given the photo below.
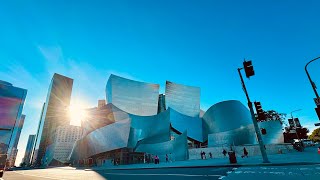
<point x="253" y="150"/>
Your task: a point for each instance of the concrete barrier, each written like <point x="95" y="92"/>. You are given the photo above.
<point x="253" y="150"/>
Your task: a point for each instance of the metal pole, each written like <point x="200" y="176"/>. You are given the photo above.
<point x="255" y="124"/>
<point x="312" y="83"/>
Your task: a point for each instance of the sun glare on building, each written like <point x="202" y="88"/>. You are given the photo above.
<point x="77" y="113"/>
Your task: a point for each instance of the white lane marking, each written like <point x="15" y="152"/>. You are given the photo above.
<point x="37" y="176"/>
<point x="221" y="177"/>
<point x="190" y="175"/>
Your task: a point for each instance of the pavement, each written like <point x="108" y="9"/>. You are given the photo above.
<point x="296" y="165"/>
<point x="308" y="157"/>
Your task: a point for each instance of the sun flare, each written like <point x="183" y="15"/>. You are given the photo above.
<point x="77" y="114"/>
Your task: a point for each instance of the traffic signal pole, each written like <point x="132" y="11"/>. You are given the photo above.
<point x="255" y="124"/>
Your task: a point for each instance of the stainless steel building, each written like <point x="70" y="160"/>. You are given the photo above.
<point x="137" y="122"/>
<point x="140" y="99"/>
<point x="183" y="99"/>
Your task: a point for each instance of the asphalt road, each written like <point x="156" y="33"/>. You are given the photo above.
<point x="153" y="174"/>
<point x="307" y="172"/>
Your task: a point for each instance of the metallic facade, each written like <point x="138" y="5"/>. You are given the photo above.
<point x="177" y="148"/>
<point x="141" y="99"/>
<point x="140" y="120"/>
<point x="182" y="98"/>
<point x="55" y="112"/>
<point x="228" y="122"/>
<point x="274" y="132"/>
<point x="11" y="105"/>
<point x="182" y="123"/>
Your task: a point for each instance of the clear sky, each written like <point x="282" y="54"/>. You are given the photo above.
<point x="194" y="42"/>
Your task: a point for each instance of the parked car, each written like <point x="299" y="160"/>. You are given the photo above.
<point x="308" y="142"/>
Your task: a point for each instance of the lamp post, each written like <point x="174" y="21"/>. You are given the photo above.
<point x="295" y="126"/>
<point x="314" y="87"/>
<point x="311" y="82"/>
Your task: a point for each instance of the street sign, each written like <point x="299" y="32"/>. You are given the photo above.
<point x="317" y="124"/>
<point x="317" y="101"/>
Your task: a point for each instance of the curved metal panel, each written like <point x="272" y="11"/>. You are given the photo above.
<point x="177" y="148"/>
<point x="182" y="123"/>
<point x="111" y="137"/>
<point x="239" y="136"/>
<point x="134" y="97"/>
<point x="274" y="132"/>
<point x="149" y="129"/>
<point x="182" y="98"/>
<point x="226" y="116"/>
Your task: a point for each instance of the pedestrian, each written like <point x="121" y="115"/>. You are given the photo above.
<point x="224" y="152"/>
<point x="167" y="158"/>
<point x="245" y="152"/>
<point x="210" y="154"/>
<point x="204" y="155"/>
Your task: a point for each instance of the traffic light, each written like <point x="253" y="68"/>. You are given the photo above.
<point x="248" y="68"/>
<point x="260" y="112"/>
<point x="263" y="131"/>
<point x="318" y="111"/>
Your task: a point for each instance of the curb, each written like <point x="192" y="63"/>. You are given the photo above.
<point x="212" y="166"/>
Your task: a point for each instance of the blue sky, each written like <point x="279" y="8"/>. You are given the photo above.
<point x="199" y="43"/>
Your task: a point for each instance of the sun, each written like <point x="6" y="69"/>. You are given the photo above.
<point x="77" y="114"/>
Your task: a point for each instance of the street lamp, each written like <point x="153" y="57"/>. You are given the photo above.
<point x="314" y="87"/>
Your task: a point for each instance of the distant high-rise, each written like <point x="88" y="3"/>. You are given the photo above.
<point x="11" y="105"/>
<point x="13" y="151"/>
<point x="29" y="149"/>
<point x="64" y="139"/>
<point x="55" y="112"/>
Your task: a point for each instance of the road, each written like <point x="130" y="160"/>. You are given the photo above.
<point x="154" y="174"/>
<point x="308" y="172"/>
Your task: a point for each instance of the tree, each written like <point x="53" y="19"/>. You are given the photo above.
<point x="272" y="115"/>
<point x="315" y="136"/>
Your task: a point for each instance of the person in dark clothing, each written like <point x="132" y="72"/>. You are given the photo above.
<point x="224" y="152"/>
<point x="167" y="158"/>
<point x="245" y="153"/>
<point x="210" y="155"/>
<point x="204" y="155"/>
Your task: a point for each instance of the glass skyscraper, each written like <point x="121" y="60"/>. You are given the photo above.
<point x="29" y="149"/>
<point x="11" y="105"/>
<point x="54" y="113"/>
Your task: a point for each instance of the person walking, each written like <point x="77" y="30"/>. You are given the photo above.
<point x="224" y="152"/>
<point x="210" y="155"/>
<point x="204" y="155"/>
<point x="167" y="158"/>
<point x="245" y="152"/>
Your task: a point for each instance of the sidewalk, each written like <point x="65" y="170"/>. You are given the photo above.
<point x="309" y="156"/>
